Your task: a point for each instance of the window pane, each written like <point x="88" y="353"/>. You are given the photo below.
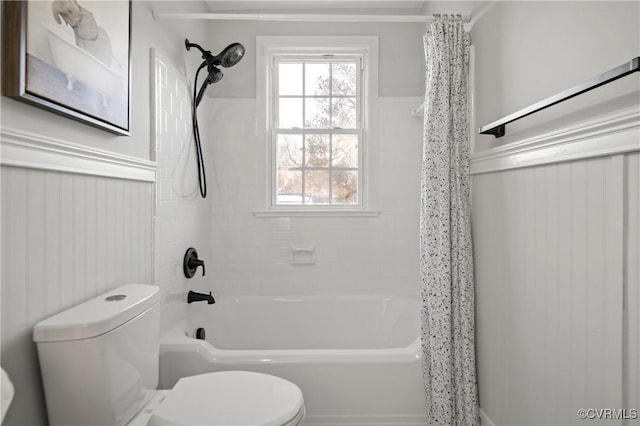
<point x="344" y="79"/>
<point x="316" y="113"/>
<point x="343" y="111"/>
<point x="317" y="151"/>
<point x="290" y="113"/>
<point x="316" y="79"/>
<point x="290" y="79"/>
<point x="344" y="187"/>
<point x="289" y="151"/>
<point x="315" y="163"/>
<point x="289" y="187"/>
<point x="345" y="151"/>
<point x="316" y="186"/>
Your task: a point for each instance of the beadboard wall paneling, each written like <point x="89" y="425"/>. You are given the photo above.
<point x="552" y="244"/>
<point x="65" y="238"/>
<point x="555" y="221"/>
<point x="631" y="353"/>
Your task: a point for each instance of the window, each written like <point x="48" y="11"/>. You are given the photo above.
<point x="317" y="129"/>
<point x="313" y="118"/>
<point x="314" y="96"/>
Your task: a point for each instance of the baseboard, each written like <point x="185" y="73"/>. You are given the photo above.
<point x="485" y="420"/>
<point x="381" y="420"/>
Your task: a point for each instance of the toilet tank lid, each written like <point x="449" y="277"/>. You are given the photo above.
<point x="98" y="315"/>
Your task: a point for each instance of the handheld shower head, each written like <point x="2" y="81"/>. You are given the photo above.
<point x="214" y="76"/>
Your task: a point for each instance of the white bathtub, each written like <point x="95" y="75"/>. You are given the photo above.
<point x="78" y="64"/>
<point x="356" y="358"/>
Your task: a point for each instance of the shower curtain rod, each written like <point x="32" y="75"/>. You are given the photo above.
<point x="287" y="17"/>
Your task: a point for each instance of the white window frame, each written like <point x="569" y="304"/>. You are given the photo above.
<point x="276" y="132"/>
<point x="268" y="48"/>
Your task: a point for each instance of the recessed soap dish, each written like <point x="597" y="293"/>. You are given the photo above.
<point x="302" y="255"/>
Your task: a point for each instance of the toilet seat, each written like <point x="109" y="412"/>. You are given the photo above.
<point x="229" y="398"/>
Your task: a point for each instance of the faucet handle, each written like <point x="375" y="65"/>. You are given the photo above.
<point x="191" y="263"/>
<point x="194" y="263"/>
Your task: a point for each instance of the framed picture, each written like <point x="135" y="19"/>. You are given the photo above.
<point x="72" y="58"/>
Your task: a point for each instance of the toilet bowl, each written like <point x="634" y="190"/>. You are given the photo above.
<point x="225" y="398"/>
<point x="100" y="365"/>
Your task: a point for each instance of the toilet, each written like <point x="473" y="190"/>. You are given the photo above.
<point x="100" y="366"/>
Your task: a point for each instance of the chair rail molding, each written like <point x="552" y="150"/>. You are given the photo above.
<point x="602" y="136"/>
<point x="28" y="150"/>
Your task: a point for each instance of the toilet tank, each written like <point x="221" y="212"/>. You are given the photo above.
<point x="99" y="359"/>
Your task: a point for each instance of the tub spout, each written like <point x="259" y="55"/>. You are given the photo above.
<point x="200" y="297"/>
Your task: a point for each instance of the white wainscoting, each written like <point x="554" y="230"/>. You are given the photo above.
<point x="631" y="348"/>
<point x="556" y="262"/>
<point x="75" y="223"/>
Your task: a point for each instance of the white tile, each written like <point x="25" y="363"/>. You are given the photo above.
<point x="344" y="247"/>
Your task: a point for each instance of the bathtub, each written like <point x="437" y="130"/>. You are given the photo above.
<point x="78" y="64"/>
<point x="356" y="358"/>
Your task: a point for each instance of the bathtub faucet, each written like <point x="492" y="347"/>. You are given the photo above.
<point x="200" y="297"/>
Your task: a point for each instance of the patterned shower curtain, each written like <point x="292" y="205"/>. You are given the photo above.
<point x="446" y="258"/>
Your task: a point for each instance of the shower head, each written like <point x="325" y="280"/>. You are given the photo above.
<point x="214" y="76"/>
<point x="229" y="56"/>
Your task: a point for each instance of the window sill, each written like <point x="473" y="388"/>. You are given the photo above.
<point x="316" y="213"/>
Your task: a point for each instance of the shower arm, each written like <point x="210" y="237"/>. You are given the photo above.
<point x="189" y="45"/>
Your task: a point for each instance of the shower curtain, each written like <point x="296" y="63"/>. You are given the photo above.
<point x="446" y="259"/>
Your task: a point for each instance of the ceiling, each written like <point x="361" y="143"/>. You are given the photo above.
<point x="397" y="6"/>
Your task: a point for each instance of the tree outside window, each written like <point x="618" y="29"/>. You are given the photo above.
<point x="317" y="131"/>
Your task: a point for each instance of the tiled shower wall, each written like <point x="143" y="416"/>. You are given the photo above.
<point x="182" y="216"/>
<point x="364" y="255"/>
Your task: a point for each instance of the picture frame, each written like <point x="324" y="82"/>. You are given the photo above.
<point x="72" y="58"/>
